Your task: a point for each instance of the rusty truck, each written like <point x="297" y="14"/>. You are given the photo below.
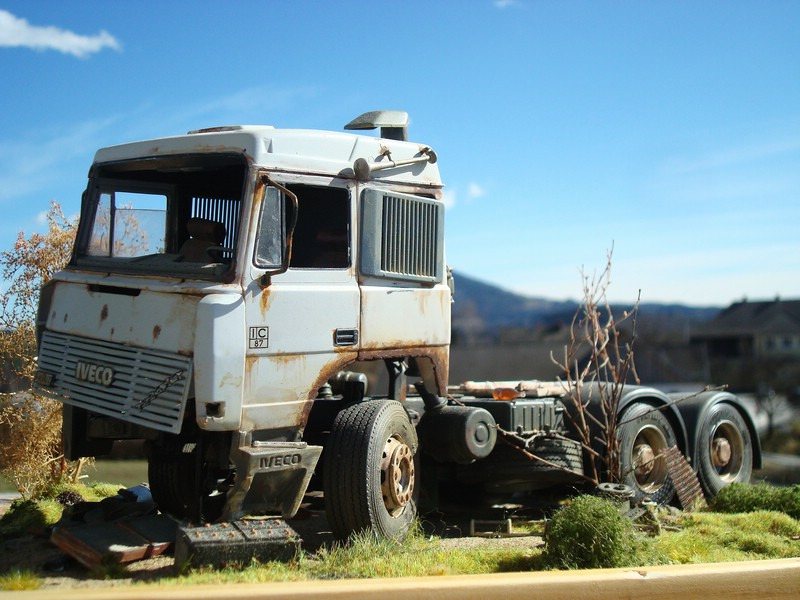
<point x="228" y="298"/>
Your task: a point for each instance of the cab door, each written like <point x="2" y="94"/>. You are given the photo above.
<point x="303" y="323"/>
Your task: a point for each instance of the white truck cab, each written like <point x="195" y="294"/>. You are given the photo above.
<point x="221" y="278"/>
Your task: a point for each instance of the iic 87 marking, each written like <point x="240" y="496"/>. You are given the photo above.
<point x="259" y="337"/>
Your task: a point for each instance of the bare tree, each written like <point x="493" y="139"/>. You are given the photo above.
<point x="596" y="364"/>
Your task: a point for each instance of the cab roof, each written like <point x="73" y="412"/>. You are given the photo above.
<point x="293" y="150"/>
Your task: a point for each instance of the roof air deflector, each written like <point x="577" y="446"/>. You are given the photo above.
<point x="393" y="123"/>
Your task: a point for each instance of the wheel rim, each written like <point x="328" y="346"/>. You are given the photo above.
<point x="726" y="449"/>
<point x="648" y="468"/>
<point x="397" y="475"/>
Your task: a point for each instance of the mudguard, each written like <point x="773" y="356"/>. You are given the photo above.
<point x="695" y="407"/>
<point x="632" y="394"/>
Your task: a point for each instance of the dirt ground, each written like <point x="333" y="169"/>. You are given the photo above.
<point x="35" y="553"/>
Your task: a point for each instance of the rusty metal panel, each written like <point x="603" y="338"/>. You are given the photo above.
<point x="404" y="317"/>
<point x="128" y="315"/>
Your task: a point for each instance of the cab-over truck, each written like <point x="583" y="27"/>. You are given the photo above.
<point x="230" y="288"/>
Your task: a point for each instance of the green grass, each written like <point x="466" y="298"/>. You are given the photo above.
<point x="24" y="516"/>
<point x="701" y="537"/>
<point x="744" y="497"/>
<point x="715" y="537"/>
<point x="366" y="557"/>
<point x="16" y="581"/>
<point x="686" y="538"/>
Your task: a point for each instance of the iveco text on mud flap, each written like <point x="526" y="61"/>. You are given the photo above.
<point x="236" y="294"/>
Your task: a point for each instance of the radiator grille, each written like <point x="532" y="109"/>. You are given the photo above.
<point x="142" y="386"/>
<point x="403" y="236"/>
<point x="409" y="237"/>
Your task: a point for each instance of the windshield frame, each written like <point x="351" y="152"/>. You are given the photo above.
<point x="172" y="178"/>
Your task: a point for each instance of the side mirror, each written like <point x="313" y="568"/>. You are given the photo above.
<point x="276" y="226"/>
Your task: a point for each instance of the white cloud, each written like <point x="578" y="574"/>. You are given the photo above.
<point x="449" y="198"/>
<point x="505" y="3"/>
<point x="733" y="157"/>
<point x="475" y="191"/>
<point x="16" y="33"/>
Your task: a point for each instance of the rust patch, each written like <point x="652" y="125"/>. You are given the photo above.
<point x="66" y="316"/>
<point x="249" y="362"/>
<point x="104" y="313"/>
<point x="156" y="332"/>
<point x="439" y="356"/>
<point x="111" y="333"/>
<point x="333" y="367"/>
<point x="264" y="301"/>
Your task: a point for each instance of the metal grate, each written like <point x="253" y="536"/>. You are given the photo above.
<point x="409" y="236"/>
<point x="146" y="387"/>
<point x="223" y="210"/>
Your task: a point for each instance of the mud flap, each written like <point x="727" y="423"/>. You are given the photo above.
<point x="270" y="477"/>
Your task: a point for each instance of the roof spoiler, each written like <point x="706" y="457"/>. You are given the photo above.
<point x="393" y="123"/>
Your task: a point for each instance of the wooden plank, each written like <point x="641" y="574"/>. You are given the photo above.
<point x="123" y="541"/>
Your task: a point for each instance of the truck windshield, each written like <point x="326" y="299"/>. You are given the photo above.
<point x="169" y="215"/>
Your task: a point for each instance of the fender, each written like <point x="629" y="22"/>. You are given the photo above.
<point x="695" y="407"/>
<point x="657" y="398"/>
<point x="635" y="393"/>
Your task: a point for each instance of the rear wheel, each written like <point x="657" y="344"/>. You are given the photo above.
<point x="725" y="450"/>
<point x="644" y="436"/>
<point x="370" y="475"/>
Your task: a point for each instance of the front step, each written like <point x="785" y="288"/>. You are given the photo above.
<point x="271" y="478"/>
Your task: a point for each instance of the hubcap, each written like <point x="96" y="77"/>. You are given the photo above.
<point x="727" y="450"/>
<point x="644" y="459"/>
<point x="397" y="475"/>
<point x="720" y="452"/>
<point x="650" y="470"/>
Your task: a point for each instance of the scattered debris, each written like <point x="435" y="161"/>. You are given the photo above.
<point x="238" y="542"/>
<point x="685" y="480"/>
<point x="122" y="541"/>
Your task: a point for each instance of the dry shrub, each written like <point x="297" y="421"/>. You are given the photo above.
<point x="596" y="365"/>
<point x="30" y="425"/>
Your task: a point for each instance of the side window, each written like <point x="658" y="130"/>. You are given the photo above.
<point x="322" y="235"/>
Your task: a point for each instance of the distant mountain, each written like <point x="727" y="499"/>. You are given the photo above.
<point x="481" y="311"/>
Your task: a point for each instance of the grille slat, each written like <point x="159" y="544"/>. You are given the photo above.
<point x="148" y="387"/>
<point x="409" y="237"/>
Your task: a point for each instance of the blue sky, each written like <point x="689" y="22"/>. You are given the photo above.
<point x="668" y="129"/>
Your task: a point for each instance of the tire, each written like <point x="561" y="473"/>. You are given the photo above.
<point x="565" y="454"/>
<point x="724" y="450"/>
<point x="646" y="433"/>
<point x="172" y="472"/>
<point x="370" y="476"/>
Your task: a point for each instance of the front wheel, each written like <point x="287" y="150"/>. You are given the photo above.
<point x="725" y="450"/>
<point x="643" y="438"/>
<point x="370" y="476"/>
<point x="185" y="477"/>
